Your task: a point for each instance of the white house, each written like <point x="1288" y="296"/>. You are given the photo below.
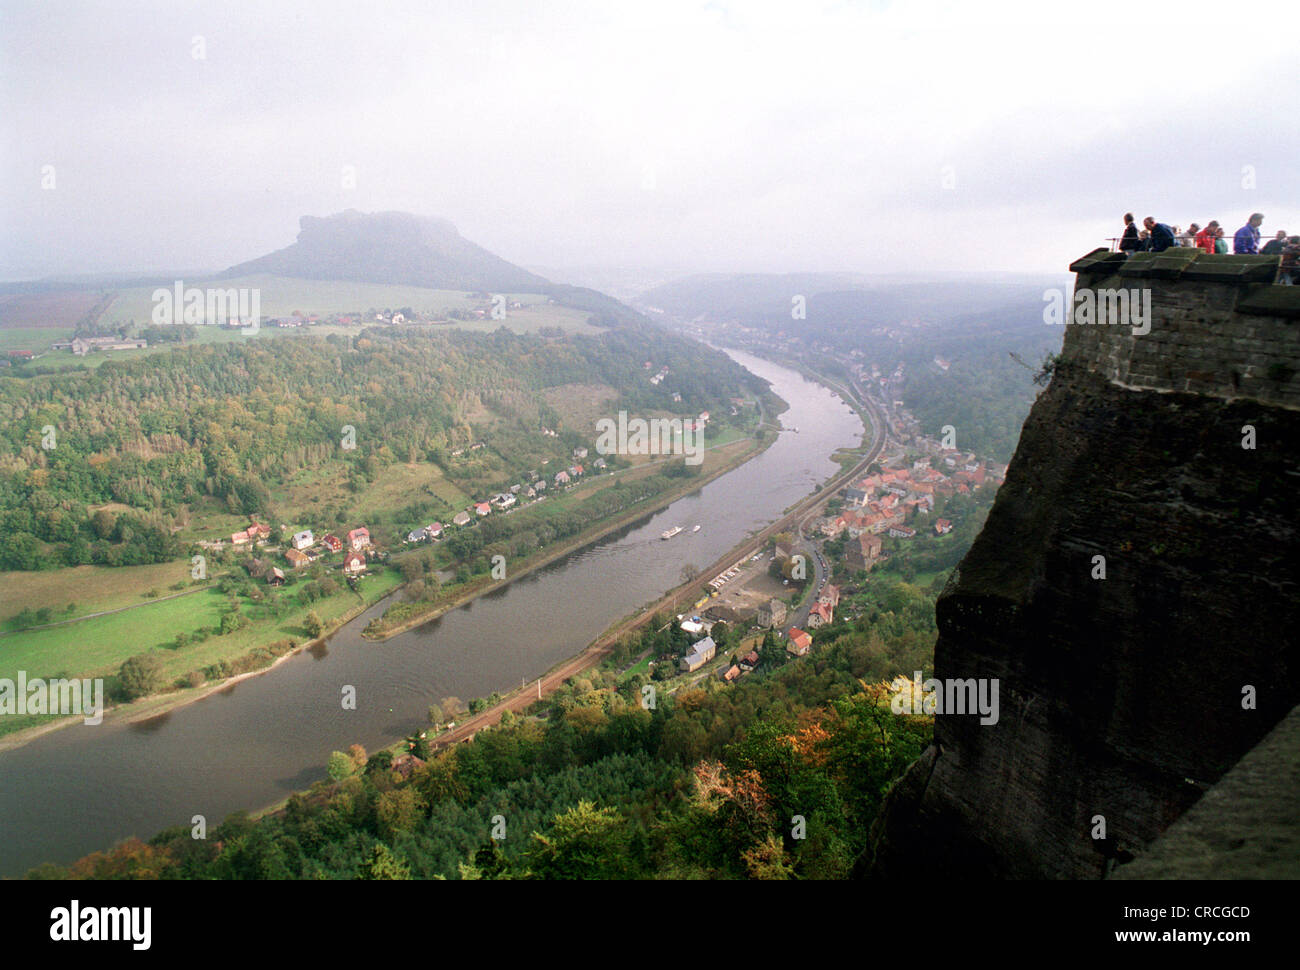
<point x="701" y="652"/>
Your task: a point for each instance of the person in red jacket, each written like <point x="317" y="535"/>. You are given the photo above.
<point x="1205" y="238"/>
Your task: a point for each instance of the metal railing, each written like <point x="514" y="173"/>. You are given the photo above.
<point x="1180" y="242"/>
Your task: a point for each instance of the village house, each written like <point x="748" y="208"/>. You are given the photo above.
<point x="579" y="453"/>
<point x="433" y="531"/>
<point x="303" y="539"/>
<point x="239" y="539"/>
<point x="297" y="558"/>
<point x="354" y="563"/>
<point x="830" y="595"/>
<point x="359" y="538"/>
<point x="482" y="508"/>
<point x="819" y="615"/>
<point x="461" y="519"/>
<point x="84" y="345"/>
<point x="865" y="552"/>
<point x="749" y="661"/>
<point x="701" y="652"/>
<point x="561" y="478"/>
<point x="831" y="528"/>
<point x="771" y="614"/>
<point x="333" y="543"/>
<point x="417" y="535"/>
<point x="942" y="527"/>
<point x="503" y="501"/>
<point x="902" y="531"/>
<point x="799" y="642"/>
<point x="730" y="674"/>
<point x="275" y="577"/>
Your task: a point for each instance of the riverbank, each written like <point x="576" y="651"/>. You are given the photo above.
<point x="156" y="705"/>
<point x="558" y="551"/>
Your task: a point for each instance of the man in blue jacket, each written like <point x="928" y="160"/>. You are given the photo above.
<point x="1162" y="237"/>
<point x="1246" y="239"/>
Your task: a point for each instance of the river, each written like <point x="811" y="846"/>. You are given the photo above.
<point x="82" y="788"/>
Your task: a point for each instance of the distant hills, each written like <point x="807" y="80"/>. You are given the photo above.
<point x="391" y="248"/>
<point x="842" y="301"/>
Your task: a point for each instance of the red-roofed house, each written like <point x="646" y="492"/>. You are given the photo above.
<point x="942" y="527"/>
<point x="359" y="538"/>
<point x="354" y="563"/>
<point x="799" y="642"/>
<point x="333" y="543"/>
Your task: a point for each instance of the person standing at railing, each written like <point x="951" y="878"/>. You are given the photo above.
<point x="1129" y="242"/>
<point x="1188" y="238"/>
<point x="1220" y="244"/>
<point x="1288" y="271"/>
<point x="1246" y="240"/>
<point x="1276" y="245"/>
<point x="1161" y="236"/>
<point x="1205" y="238"/>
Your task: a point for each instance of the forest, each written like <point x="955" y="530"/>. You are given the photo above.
<point x="777" y="777"/>
<point x="107" y="465"/>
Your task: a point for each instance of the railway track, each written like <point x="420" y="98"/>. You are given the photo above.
<point x="595" y="652"/>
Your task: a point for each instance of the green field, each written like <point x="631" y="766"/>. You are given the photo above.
<point x="89" y="589"/>
<point x="279" y="297"/>
<point x="35" y="339"/>
<point x="96" y="647"/>
<point x="282" y="297"/>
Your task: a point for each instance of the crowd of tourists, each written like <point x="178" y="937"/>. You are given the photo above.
<point x="1156" y="237"/>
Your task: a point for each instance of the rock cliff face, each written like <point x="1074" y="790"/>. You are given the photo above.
<point x="1123" y="697"/>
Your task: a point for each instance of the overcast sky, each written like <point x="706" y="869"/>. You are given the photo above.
<point x="700" y="136"/>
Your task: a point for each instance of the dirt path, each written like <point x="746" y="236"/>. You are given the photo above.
<point x="120" y="609"/>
